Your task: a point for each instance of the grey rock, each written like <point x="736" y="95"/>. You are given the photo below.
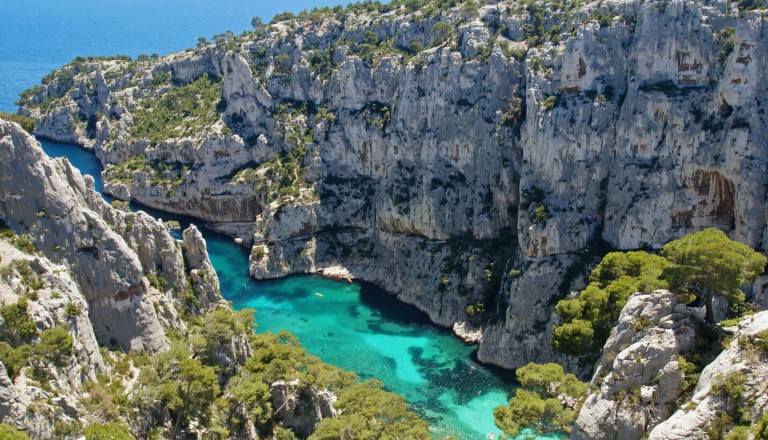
<point x="638" y="374"/>
<point x="300" y="407"/>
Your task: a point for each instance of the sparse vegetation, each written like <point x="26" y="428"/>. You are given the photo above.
<point x="181" y="111"/>
<point x="27" y="123"/>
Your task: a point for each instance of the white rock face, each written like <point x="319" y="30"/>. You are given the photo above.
<point x="694" y="418"/>
<point x="638" y="375"/>
<point x="94" y="263"/>
<point x="420" y="173"/>
<point x="301" y="407"/>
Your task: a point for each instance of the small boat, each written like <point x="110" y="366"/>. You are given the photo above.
<point x="319" y="294"/>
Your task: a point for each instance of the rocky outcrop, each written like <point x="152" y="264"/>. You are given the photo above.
<point x="202" y="275"/>
<point x="639" y="376"/>
<point x="300" y="407"/>
<point x="452" y="156"/>
<point x="733" y="385"/>
<point x="108" y="277"/>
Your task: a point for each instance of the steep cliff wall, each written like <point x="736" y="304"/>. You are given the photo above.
<point x="456" y="156"/>
<point x="108" y="277"/>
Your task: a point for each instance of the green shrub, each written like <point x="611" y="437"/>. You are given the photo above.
<point x="8" y="432"/>
<point x="107" y="431"/>
<point x="27" y="123"/>
<point x="18" y="319"/>
<point x="73" y="310"/>
<point x="14" y="359"/>
<point x="55" y="346"/>
<point x="415" y="47"/>
<point x="590" y="317"/>
<point x="181" y="111"/>
<point x="258" y="252"/>
<point x="157" y="281"/>
<point x="475" y="309"/>
<point x="536" y="405"/>
<point x="550" y="102"/>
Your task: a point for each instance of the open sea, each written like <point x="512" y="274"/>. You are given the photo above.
<point x="353" y="325"/>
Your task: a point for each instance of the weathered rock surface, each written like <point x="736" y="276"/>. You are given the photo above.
<point x="742" y="356"/>
<point x="90" y="274"/>
<point x="300" y="407"/>
<point x="638" y="376"/>
<point x="626" y="124"/>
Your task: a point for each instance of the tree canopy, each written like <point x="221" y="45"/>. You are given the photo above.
<point x="367" y="411"/>
<point x="547" y="401"/>
<point x="708" y="263"/>
<point x="699" y="265"/>
<point x="588" y="318"/>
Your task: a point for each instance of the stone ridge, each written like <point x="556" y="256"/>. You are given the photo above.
<point x="109" y="277"/>
<point x="467" y="156"/>
<point x="644" y="387"/>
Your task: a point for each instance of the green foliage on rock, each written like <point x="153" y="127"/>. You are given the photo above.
<point x="181" y="111"/>
<point x="31" y="281"/>
<point x="708" y="263"/>
<point x="14" y="359"/>
<point x="588" y="319"/>
<point x="27" y="123"/>
<point x="367" y="411"/>
<point x="548" y="401"/>
<point x="123" y="172"/>
<point x="107" y="431"/>
<point x="728" y="389"/>
<point x="699" y="265"/>
<point x="21" y="242"/>
<point x="55" y="347"/>
<point x="442" y="32"/>
<point x="18" y="320"/>
<point x="8" y="432"/>
<point x="216" y="329"/>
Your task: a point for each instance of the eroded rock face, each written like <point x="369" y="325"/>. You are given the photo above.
<point x="696" y="417"/>
<point x="638" y="375"/>
<point x="420" y="173"/>
<point x="300" y="407"/>
<point x="106" y="276"/>
<point x="52" y="207"/>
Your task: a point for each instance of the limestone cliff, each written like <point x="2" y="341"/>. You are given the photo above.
<point x="646" y="385"/>
<point x="731" y="390"/>
<point x="639" y="376"/>
<point x="108" y="277"/>
<point x="456" y="156"/>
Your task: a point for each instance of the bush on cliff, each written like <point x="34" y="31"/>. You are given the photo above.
<point x="588" y="318"/>
<point x="697" y="266"/>
<point x="547" y="401"/>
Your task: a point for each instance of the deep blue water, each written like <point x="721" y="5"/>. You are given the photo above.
<point x="37" y="36"/>
<point x="352" y="325"/>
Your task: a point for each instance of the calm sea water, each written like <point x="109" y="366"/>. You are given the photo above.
<point x="37" y="36"/>
<point x="355" y="326"/>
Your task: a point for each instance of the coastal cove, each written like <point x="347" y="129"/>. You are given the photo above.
<point x="356" y="326"/>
